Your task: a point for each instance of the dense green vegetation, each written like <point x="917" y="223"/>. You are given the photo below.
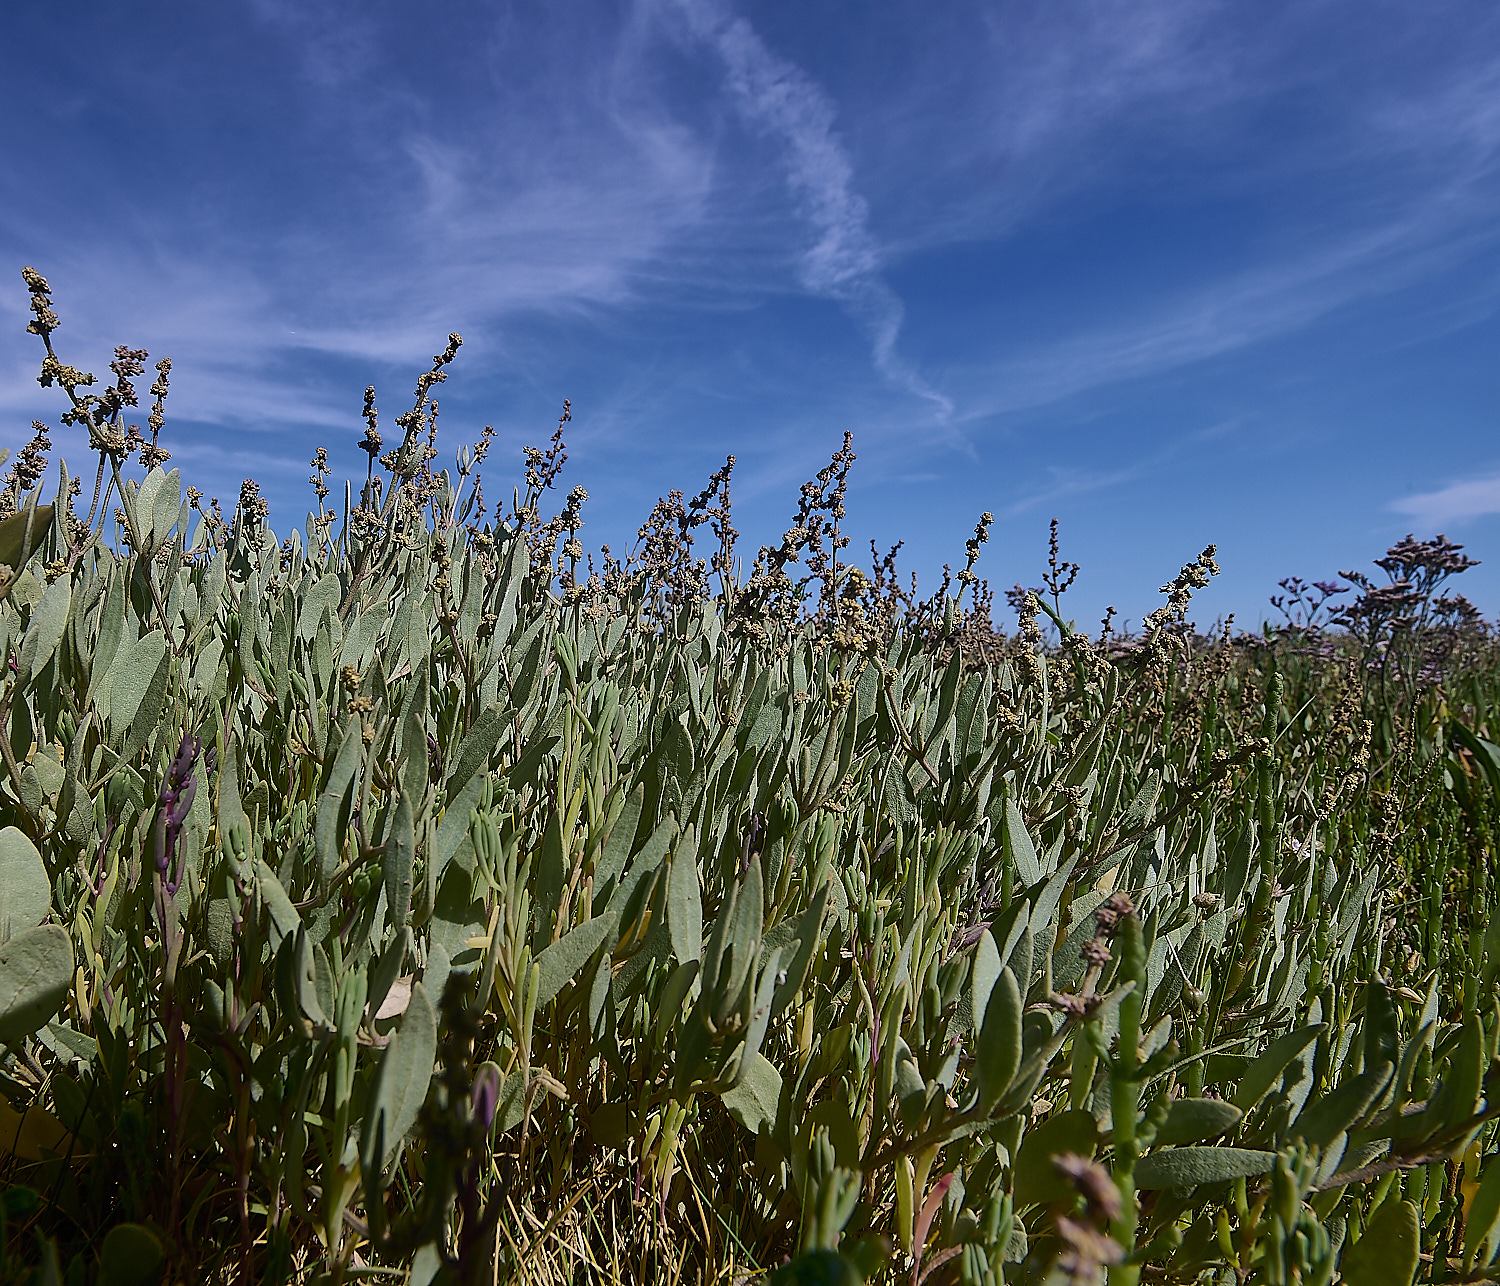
<point x="408" y="894"/>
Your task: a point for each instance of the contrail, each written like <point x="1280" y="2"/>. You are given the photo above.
<point x="777" y="98"/>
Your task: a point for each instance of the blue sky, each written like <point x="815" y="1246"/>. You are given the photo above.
<point x="1170" y="272"/>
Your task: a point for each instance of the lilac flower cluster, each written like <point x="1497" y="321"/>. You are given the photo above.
<point x="177" y="795"/>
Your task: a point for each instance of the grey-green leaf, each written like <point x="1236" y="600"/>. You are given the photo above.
<point x="1191" y="1167"/>
<point x="111" y="625"/>
<point x="621" y="837"/>
<point x="25" y="891"/>
<point x="131" y="679"/>
<point x="36" y="969"/>
<point x="49" y="618"/>
<point x="16" y="546"/>
<point x="560" y="963"/>
<point x="400" y="1085"/>
<point x="1265" y="1070"/>
<point x="475" y="749"/>
<point x="164" y="507"/>
<point x="1389" y="1252"/>
<point x="1023" y="850"/>
<point x="400" y="863"/>
<point x="1191" y="1119"/>
<point x="685" y="900"/>
<point x="1037" y="1179"/>
<point x="145" y="506"/>
<point x="809" y="937"/>
<point x="1482" y="1224"/>
<point x="335" y="803"/>
<point x="999" y="1040"/>
<point x="284" y="916"/>
<point x="1341" y="1109"/>
<point x="985" y="970"/>
<point x="325" y="594"/>
<point x="753" y="1101"/>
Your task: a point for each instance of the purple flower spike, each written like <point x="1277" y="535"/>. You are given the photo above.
<point x="486" y="1096"/>
<point x="177" y="795"/>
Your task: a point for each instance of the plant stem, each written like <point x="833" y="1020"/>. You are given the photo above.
<point x="1125" y="1096"/>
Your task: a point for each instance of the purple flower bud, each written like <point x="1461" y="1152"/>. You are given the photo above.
<point x="185" y="801"/>
<point x="486" y="1096"/>
<point x="176" y="798"/>
<point x="187" y="756"/>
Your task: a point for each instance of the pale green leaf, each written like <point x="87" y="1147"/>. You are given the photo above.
<point x="400" y="1085"/>
<point x="36" y="969"/>
<point x="564" y="959"/>
<point x="1195" y="1166"/>
<point x="1389" y="1252"/>
<point x="753" y="1102"/>
<point x="684" y="900"/>
<point x="1037" y="1179"/>
<point x="25" y="891"/>
<point x="1191" y="1119"/>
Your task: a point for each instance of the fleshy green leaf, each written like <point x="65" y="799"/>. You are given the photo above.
<point x="685" y="900"/>
<point x="1259" y="1076"/>
<point x="336" y="802"/>
<point x="1191" y="1119"/>
<point x="25" y="891"/>
<point x="986" y="968"/>
<point x="400" y="1085"/>
<point x="131" y="678"/>
<point x="754" y="1100"/>
<point x="36" y="969"/>
<point x="324" y="595"/>
<point x="400" y="863"/>
<point x="1482" y="1225"/>
<point x="1340" y="1109"/>
<point x="129" y="1255"/>
<point x="1389" y="1251"/>
<point x="1037" y="1179"/>
<point x="475" y="749"/>
<point x="1023" y="850"/>
<point x="1191" y="1167"/>
<point x="284" y="916"/>
<point x="809" y="937"/>
<point x="49" y="618"/>
<point x="621" y="836"/>
<point x="564" y="959"/>
<point x="14" y="546"/>
<point x="1000" y="1040"/>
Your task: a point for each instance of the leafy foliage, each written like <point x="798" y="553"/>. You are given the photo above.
<point x="394" y="894"/>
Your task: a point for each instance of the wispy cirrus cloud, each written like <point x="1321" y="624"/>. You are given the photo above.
<point x="1224" y="316"/>
<point x="403" y="230"/>
<point x="1018" y="248"/>
<point x="1457" y="502"/>
<point x="844" y="261"/>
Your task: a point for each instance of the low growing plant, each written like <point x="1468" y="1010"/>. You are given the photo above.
<point x="404" y="896"/>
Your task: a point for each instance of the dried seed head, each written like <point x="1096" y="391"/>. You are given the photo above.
<point x="1093" y="1182"/>
<point x="1095" y="952"/>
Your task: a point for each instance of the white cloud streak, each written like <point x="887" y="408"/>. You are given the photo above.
<point x="1471" y="498"/>
<point x="1432" y="229"/>
<point x="778" y="99"/>
<point x="573" y="186"/>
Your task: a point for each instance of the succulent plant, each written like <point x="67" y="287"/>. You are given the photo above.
<point x="388" y="891"/>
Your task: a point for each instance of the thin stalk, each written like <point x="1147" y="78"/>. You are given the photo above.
<point x="1125" y="1096"/>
